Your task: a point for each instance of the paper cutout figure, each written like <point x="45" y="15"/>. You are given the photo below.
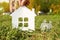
<point x="46" y="26"/>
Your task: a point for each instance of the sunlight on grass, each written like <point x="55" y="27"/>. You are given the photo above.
<point x="6" y="31"/>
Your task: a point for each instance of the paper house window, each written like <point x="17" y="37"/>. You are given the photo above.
<point x="20" y="24"/>
<point x="23" y="22"/>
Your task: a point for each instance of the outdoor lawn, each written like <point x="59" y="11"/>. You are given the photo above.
<point x="44" y="9"/>
<point x="7" y="33"/>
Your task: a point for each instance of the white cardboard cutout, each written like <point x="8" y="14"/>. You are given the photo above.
<point x="24" y="12"/>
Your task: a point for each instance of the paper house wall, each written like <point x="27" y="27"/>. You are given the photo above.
<point x="24" y="12"/>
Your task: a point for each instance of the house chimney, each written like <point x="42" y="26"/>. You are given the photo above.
<point x="33" y="10"/>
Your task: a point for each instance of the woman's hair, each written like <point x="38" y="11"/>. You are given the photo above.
<point x="26" y="2"/>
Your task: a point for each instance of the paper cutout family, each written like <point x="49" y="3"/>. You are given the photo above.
<point x="24" y="12"/>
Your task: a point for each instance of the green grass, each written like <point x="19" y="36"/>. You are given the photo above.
<point x="54" y="33"/>
<point x="7" y="33"/>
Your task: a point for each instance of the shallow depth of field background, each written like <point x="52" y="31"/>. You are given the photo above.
<point x="7" y="33"/>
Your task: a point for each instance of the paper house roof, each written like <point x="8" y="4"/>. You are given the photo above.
<point x="23" y="12"/>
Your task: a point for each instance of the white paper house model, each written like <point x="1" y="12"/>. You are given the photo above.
<point x="23" y="18"/>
